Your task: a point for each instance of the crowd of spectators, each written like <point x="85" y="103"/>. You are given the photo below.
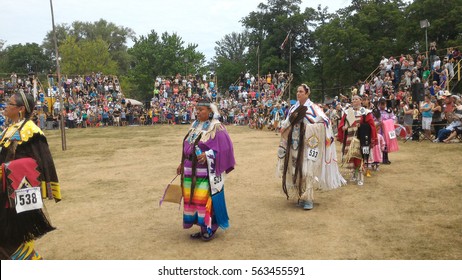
<point x="96" y="100"/>
<point x="11" y="84"/>
<point x="415" y="89"/>
<point x="249" y="97"/>
<point x="91" y="100"/>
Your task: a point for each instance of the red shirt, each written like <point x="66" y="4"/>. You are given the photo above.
<point x="449" y="107"/>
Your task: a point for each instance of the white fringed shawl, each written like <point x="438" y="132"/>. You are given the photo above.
<point x="325" y="169"/>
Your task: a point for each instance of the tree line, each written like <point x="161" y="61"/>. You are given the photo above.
<point x="329" y="51"/>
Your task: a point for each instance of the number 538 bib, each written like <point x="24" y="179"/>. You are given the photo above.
<point x="28" y="199"/>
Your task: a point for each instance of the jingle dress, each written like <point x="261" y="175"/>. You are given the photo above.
<point x="26" y="162"/>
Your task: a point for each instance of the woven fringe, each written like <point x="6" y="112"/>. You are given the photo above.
<point x="282" y="150"/>
<point x="323" y="173"/>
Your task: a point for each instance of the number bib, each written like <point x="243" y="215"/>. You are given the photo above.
<point x="313" y="154"/>
<point x="217" y="181"/>
<point x="392" y="134"/>
<point x="366" y="150"/>
<point x="28" y="199"/>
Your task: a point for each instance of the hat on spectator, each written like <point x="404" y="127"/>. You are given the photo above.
<point x="447" y="93"/>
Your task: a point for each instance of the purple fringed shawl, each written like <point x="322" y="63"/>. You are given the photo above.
<point x="224" y="151"/>
<point x="222" y="146"/>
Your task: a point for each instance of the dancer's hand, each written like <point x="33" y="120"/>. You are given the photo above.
<point x="202" y="158"/>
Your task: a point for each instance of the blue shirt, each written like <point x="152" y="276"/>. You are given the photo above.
<point x="427" y="114"/>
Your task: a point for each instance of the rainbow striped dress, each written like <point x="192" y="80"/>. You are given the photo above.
<point x="199" y="208"/>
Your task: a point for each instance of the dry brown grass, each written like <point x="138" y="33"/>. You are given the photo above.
<point x="112" y="180"/>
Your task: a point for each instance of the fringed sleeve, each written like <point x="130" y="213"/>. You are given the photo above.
<point x="224" y="151"/>
<point x="49" y="177"/>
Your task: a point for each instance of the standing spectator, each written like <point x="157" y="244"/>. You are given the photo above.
<point x="408" y="111"/>
<point x="425" y="74"/>
<point x="50" y="79"/>
<point x="123" y="117"/>
<point x="426" y="108"/>
<point x="70" y="119"/>
<point x="433" y="55"/>
<point x="116" y="116"/>
<point x="437" y="119"/>
<point x="14" y="78"/>
<point x="443" y="77"/>
<point x="105" y="117"/>
<point x="354" y="91"/>
<point x="84" y="118"/>
<point x="449" y="66"/>
<point x="42" y="119"/>
<point x="56" y="108"/>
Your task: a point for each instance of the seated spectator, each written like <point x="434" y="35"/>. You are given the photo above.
<point x="453" y="135"/>
<point x="454" y="123"/>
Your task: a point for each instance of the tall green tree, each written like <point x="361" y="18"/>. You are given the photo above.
<point x="86" y="56"/>
<point x="231" y="57"/>
<point x="268" y="28"/>
<point x="445" y="24"/>
<point x="48" y="44"/>
<point x="116" y="38"/>
<point x="316" y="73"/>
<point x="350" y="44"/>
<point x="26" y="58"/>
<point x="164" y="55"/>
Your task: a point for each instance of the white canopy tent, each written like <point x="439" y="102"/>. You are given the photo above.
<point x="133" y="102"/>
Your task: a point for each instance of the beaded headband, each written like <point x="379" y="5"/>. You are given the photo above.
<point x="205" y="103"/>
<point x="26" y="104"/>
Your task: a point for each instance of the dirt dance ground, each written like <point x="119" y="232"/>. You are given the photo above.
<point x="112" y="180"/>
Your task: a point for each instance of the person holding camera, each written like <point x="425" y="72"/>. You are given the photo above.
<point x="432" y="53"/>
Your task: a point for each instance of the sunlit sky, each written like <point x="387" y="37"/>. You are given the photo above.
<point x="202" y="22"/>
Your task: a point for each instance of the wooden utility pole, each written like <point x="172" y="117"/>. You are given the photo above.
<point x="60" y="92"/>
